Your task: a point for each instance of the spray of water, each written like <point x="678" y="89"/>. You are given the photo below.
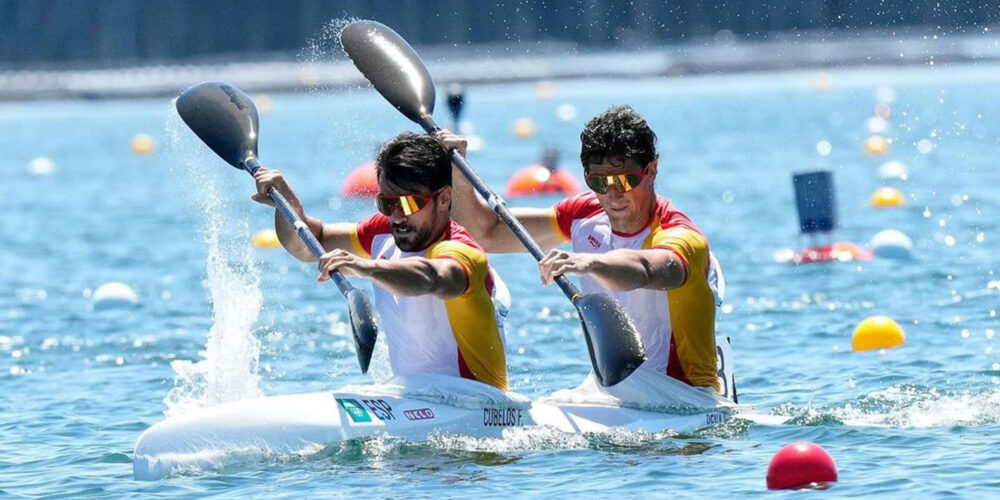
<point x="906" y="406"/>
<point x="228" y="367"/>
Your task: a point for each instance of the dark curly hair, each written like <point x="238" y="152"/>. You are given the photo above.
<point x="414" y="161"/>
<point x="615" y="135"/>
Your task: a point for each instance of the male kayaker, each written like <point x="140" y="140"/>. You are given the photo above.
<point x="433" y="284"/>
<point x="627" y="242"/>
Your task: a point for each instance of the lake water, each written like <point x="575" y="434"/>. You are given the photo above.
<point x="219" y="320"/>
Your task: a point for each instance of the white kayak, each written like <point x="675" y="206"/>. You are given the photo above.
<point x="413" y="408"/>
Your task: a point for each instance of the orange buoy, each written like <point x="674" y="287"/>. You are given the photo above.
<point x="361" y="182"/>
<point x="537" y="179"/>
<point x="841" y="251"/>
<point x="801" y="464"/>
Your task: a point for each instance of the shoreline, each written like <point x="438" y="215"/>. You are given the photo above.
<point x="479" y="64"/>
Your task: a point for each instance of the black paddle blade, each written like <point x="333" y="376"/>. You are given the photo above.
<point x="614" y="344"/>
<point x="392" y="67"/>
<point x="223" y="117"/>
<point x="363" y="325"/>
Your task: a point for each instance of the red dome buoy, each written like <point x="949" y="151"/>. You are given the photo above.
<point x="800" y="464"/>
<point x="361" y="182"/>
<point x="537" y="179"/>
<point x="841" y="251"/>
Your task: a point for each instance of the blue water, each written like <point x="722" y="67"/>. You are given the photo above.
<point x="219" y="320"/>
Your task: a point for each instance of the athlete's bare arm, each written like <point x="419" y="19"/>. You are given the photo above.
<point x="444" y="278"/>
<point x="331" y="236"/>
<point x="472" y="211"/>
<point x="619" y="270"/>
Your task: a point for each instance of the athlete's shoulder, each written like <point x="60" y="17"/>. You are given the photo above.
<point x="459" y="246"/>
<point x="671" y="217"/>
<point x="369" y="228"/>
<point x="457" y="233"/>
<point x="579" y="206"/>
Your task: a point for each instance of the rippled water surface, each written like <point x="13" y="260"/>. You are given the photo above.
<point x="219" y="320"/>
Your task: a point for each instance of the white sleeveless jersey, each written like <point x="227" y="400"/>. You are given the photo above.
<point x="677" y="326"/>
<point x="462" y="336"/>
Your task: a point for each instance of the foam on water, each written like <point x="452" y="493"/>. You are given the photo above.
<point x="906" y="406"/>
<point x="229" y="364"/>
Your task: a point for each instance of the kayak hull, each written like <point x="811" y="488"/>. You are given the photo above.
<point x="301" y="423"/>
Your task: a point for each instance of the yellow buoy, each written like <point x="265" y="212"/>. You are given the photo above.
<point x="142" y="144"/>
<point x="877" y="332"/>
<point x="887" y="197"/>
<point x="264" y="103"/>
<point x="266" y="238"/>
<point x="524" y="128"/>
<point x="876" y="145"/>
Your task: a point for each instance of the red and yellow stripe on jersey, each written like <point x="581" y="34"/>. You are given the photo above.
<point x="677" y="326"/>
<point x="461" y="336"/>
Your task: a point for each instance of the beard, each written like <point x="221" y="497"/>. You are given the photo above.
<point x="410" y="238"/>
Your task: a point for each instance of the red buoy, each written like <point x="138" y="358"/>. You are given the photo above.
<point x="800" y="464"/>
<point x="537" y="179"/>
<point x="361" y="182"/>
<point x="842" y="251"/>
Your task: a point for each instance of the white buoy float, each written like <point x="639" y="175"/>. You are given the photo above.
<point x="42" y="166"/>
<point x="114" y="295"/>
<point x="891" y="244"/>
<point x="893" y="170"/>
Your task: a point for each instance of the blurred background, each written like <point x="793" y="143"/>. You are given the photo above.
<point x="166" y="44"/>
<point x="137" y="280"/>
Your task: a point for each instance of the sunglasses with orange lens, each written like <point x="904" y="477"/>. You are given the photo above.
<point x="408" y="204"/>
<point x="625" y="181"/>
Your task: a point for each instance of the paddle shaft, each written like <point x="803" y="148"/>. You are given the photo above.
<point x="251" y="165"/>
<point x="499" y="207"/>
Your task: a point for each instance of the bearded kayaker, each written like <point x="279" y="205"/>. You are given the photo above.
<point x="433" y="284"/>
<point x="626" y="242"/>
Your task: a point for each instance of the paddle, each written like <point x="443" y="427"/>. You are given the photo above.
<point x="225" y="119"/>
<point x="395" y="70"/>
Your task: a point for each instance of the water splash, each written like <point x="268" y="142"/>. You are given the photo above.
<point x="326" y="44"/>
<point x="906" y="406"/>
<point x="228" y="370"/>
<point x="320" y="50"/>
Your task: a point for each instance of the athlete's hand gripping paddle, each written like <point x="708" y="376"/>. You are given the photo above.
<point x="395" y="70"/>
<point x="225" y="119"/>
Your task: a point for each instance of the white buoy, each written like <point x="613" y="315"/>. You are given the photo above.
<point x="891" y="170"/>
<point x="891" y="244"/>
<point x="114" y="295"/>
<point x="566" y="112"/>
<point x="42" y="166"/>
<point x="476" y="143"/>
